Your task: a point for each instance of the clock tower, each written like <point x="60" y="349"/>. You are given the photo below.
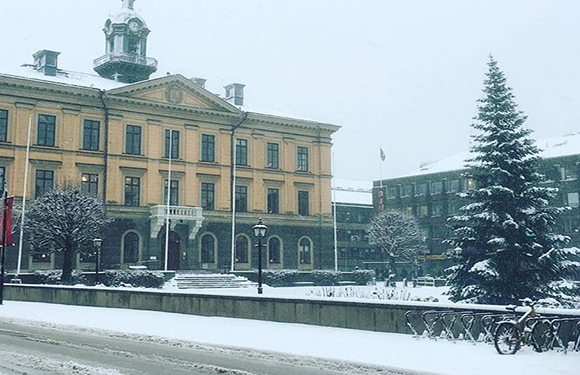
<point x="125" y="58"/>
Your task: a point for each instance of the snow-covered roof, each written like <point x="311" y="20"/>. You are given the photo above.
<point x="550" y="148"/>
<point x="353" y="191"/>
<point x="63" y="77"/>
<point x="125" y="14"/>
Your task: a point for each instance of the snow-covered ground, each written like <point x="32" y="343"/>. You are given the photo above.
<point x="393" y="350"/>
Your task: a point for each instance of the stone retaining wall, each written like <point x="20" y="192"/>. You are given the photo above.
<point x="381" y="316"/>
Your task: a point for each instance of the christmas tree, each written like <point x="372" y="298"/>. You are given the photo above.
<point x="505" y="245"/>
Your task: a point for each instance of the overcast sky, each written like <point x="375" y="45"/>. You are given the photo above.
<point x="402" y="75"/>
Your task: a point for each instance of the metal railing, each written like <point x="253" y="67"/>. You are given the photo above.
<point x="126" y="57"/>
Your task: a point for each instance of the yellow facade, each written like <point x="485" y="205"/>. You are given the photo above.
<point x="175" y="103"/>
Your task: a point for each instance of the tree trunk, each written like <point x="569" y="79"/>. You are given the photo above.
<point x="392" y="263"/>
<point x="67" y="266"/>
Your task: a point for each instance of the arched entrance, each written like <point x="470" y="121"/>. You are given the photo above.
<point x="174" y="251"/>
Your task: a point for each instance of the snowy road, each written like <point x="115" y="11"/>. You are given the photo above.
<point x="37" y="349"/>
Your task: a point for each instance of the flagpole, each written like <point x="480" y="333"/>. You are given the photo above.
<point x="168" y="198"/>
<point x="3" y="255"/>
<point x="234" y="160"/>
<point x="334" y="215"/>
<point x="21" y="238"/>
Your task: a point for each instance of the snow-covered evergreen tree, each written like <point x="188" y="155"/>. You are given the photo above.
<point x="506" y="248"/>
<point x="65" y="220"/>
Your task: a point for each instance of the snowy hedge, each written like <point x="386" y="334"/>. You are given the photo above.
<point x="284" y="278"/>
<point x="53" y="277"/>
<point x="134" y="278"/>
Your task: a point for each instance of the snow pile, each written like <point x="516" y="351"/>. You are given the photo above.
<point x="372" y="348"/>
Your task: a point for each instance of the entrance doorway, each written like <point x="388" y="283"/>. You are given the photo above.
<point x="174" y="251"/>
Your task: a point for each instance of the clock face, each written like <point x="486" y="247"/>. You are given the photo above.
<point x="134" y="26"/>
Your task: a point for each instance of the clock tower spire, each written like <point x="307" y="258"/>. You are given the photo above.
<point x="125" y="58"/>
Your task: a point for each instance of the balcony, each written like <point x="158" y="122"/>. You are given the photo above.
<point x="127" y="58"/>
<point x="192" y="216"/>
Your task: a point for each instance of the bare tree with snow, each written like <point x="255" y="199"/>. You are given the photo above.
<point x="65" y="220"/>
<point x="396" y="234"/>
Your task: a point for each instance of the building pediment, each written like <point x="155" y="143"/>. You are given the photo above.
<point x="174" y="90"/>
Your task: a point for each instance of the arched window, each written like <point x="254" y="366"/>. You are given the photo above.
<point x="131" y="248"/>
<point x="274" y="250"/>
<point x="305" y="251"/>
<point x="207" y="249"/>
<point x="242" y="249"/>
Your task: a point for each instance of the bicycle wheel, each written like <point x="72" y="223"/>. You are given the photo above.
<point x="507" y="338"/>
<point x="542" y="337"/>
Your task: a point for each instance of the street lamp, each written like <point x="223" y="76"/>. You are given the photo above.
<point x="260" y="232"/>
<point x="97" y="243"/>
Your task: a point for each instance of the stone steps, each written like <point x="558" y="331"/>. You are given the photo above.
<point x="211" y="281"/>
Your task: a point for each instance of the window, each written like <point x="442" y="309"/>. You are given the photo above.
<point x="46" y="130"/>
<point x="3" y="178"/>
<point x="573" y="199"/>
<point x="303" y="203"/>
<point x="174" y="193"/>
<point x="420" y="189"/>
<point x="273" y="201"/>
<point x="305" y="251"/>
<point x="469" y="184"/>
<point x="132" y="191"/>
<point x="91" y="131"/>
<point x="208" y="196"/>
<point x="407" y="191"/>
<point x="90" y="184"/>
<point x="302" y="161"/>
<point x="207" y="148"/>
<point x="392" y="192"/>
<point x="408" y="210"/>
<point x="437" y="209"/>
<point x="44" y="182"/>
<point x="242" y="249"/>
<point x="41" y="257"/>
<point x="133" y="140"/>
<point x="131" y="248"/>
<point x="568" y="173"/>
<point x="241" y="199"/>
<point x="241" y="152"/>
<point x="453" y="207"/>
<point x="174" y="143"/>
<point x="273" y="156"/>
<point x="3" y="125"/>
<point x="274" y="250"/>
<point x="422" y="211"/>
<point x="207" y="249"/>
<point x="453" y="186"/>
<point x="437" y="187"/>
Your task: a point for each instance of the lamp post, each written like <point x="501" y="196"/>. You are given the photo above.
<point x="97" y="243"/>
<point x="260" y="232"/>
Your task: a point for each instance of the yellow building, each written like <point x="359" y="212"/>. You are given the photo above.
<point x="112" y="134"/>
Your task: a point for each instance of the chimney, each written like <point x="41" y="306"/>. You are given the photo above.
<point x="235" y="93"/>
<point x="46" y="62"/>
<point x="199" y="81"/>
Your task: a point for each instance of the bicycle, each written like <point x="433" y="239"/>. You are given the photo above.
<point x="528" y="329"/>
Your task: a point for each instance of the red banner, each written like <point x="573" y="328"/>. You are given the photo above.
<point x="7" y="213"/>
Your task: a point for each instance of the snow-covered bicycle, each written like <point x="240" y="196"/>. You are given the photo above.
<point x="528" y="330"/>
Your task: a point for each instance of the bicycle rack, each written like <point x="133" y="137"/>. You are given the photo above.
<point x="430" y="318"/>
<point x="557" y="327"/>
<point x="448" y="319"/>
<point x="577" y="346"/>
<point x="490" y="321"/>
<point x="467" y="321"/>
<point x="408" y="315"/>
